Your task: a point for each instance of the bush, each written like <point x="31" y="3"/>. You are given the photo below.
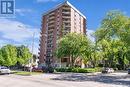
<point x="100" y="65"/>
<point x="60" y="69"/>
<point x="69" y="69"/>
<point x="78" y="70"/>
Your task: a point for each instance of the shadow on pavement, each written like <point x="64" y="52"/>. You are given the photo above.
<point x="104" y="78"/>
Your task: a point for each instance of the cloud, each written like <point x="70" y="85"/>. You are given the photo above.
<point x="23" y="11"/>
<point x="47" y="0"/>
<point x="90" y="35"/>
<point x="17" y="32"/>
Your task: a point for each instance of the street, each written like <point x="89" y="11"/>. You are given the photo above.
<point x="66" y="80"/>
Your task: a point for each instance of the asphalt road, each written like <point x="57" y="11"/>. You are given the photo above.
<point x="66" y="80"/>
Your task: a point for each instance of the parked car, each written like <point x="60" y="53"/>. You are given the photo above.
<point x="4" y="70"/>
<point x="37" y="69"/>
<point x="107" y="70"/>
<point x="128" y="71"/>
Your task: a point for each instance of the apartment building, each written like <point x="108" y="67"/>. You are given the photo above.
<point x="62" y="19"/>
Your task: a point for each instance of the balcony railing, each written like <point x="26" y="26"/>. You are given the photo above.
<point x="65" y="12"/>
<point x="65" y="16"/>
<point x="51" y="17"/>
<point x="52" y="13"/>
<point x="52" y="25"/>
<point x="51" y="21"/>
<point x="66" y="7"/>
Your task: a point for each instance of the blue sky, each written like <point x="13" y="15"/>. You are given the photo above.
<point x="27" y="20"/>
<point x="94" y="10"/>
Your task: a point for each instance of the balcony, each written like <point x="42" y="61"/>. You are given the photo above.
<point x="64" y="16"/>
<point x="67" y="12"/>
<point x="50" y="46"/>
<point x="50" y="34"/>
<point x="67" y="27"/>
<point x="50" y="39"/>
<point x="66" y="23"/>
<point x="51" y="21"/>
<point x="52" y="25"/>
<point x="50" y="29"/>
<point x="52" y="13"/>
<point x="51" y="17"/>
<point x="66" y="20"/>
<point x="66" y="7"/>
<point x="66" y="31"/>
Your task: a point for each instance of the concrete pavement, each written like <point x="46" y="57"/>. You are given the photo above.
<point x="66" y="80"/>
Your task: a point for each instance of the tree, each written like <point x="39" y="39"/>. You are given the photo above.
<point x="111" y="26"/>
<point x="115" y="30"/>
<point x="72" y="45"/>
<point x="23" y="54"/>
<point x="8" y="55"/>
<point x="1" y="58"/>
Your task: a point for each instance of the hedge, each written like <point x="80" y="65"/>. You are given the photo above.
<point x="78" y="70"/>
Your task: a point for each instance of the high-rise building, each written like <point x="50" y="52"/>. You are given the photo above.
<point x="59" y="21"/>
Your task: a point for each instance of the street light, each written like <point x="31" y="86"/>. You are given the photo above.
<point x="32" y="52"/>
<point x="33" y="36"/>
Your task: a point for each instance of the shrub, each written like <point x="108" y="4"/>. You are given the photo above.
<point x="100" y="65"/>
<point x="78" y="70"/>
<point x="69" y="69"/>
<point x="60" y="69"/>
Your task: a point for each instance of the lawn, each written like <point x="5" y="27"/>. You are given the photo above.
<point x="25" y="73"/>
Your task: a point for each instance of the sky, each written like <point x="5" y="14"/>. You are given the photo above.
<point x="19" y="30"/>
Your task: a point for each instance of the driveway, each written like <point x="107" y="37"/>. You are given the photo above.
<point x="66" y="80"/>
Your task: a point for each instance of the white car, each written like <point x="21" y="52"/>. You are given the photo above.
<point x="107" y="70"/>
<point x="128" y="71"/>
<point x="4" y="70"/>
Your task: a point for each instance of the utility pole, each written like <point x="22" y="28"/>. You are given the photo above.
<point x="33" y="37"/>
<point x="31" y="60"/>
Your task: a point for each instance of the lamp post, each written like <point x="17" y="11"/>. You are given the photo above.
<point x="33" y="36"/>
<point x="31" y="60"/>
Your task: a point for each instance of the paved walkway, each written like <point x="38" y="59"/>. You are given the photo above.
<point x="66" y="80"/>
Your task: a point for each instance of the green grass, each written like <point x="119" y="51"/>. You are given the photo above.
<point x="25" y="73"/>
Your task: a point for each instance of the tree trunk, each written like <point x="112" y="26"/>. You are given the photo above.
<point x="123" y="62"/>
<point x="72" y="62"/>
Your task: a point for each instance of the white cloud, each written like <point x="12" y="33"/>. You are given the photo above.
<point x="47" y="0"/>
<point x="23" y="11"/>
<point x="90" y="34"/>
<point x="18" y="32"/>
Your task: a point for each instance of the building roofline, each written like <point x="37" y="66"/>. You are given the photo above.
<point x="59" y="5"/>
<point x="75" y="9"/>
